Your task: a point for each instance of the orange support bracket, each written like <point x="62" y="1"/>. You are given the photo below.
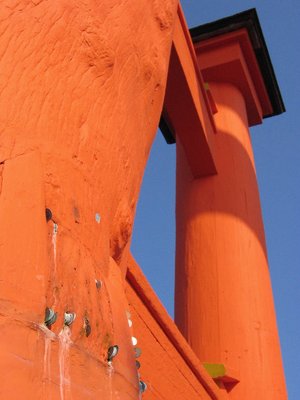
<point x="187" y="111"/>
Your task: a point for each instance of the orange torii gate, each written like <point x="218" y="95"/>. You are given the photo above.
<point x="83" y="87"/>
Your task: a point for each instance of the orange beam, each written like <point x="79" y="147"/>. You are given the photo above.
<point x="186" y="106"/>
<point x="224" y="304"/>
<point x="146" y="306"/>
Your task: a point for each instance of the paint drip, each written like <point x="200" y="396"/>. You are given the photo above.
<point x="54" y="239"/>
<point x="65" y="341"/>
<point x="49" y="337"/>
<point x="54" y="245"/>
<point x="110" y="372"/>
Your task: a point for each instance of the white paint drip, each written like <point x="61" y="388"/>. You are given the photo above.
<point x="54" y="239"/>
<point x="64" y="338"/>
<point x="54" y="243"/>
<point x="110" y="372"/>
<point x="49" y="336"/>
<point x="47" y="365"/>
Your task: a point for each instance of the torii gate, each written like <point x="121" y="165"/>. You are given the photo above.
<point x="83" y="86"/>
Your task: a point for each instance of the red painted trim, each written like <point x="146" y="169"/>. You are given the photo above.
<point x="143" y="289"/>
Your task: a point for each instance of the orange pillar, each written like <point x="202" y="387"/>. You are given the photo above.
<point x="224" y="303"/>
<point x="82" y="88"/>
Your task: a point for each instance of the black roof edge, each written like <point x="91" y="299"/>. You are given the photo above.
<point x="166" y="129"/>
<point x="247" y="19"/>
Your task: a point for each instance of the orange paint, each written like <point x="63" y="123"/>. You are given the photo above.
<point x="224" y="304"/>
<point x="82" y="88"/>
<point x="223" y="301"/>
<point x="167" y="357"/>
<point x="79" y="83"/>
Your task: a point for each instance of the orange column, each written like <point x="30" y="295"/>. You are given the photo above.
<point x="81" y="92"/>
<point x="224" y="304"/>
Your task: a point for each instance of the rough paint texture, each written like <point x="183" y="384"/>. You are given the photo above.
<point x="81" y="92"/>
<point x="82" y="86"/>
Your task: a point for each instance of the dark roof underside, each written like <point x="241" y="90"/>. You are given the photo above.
<point x="249" y="20"/>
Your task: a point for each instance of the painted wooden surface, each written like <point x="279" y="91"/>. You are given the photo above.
<point x="168" y="364"/>
<point x="222" y="274"/>
<point x="79" y="82"/>
<point x="82" y="87"/>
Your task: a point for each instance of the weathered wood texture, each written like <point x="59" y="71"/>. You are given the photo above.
<point x="81" y="93"/>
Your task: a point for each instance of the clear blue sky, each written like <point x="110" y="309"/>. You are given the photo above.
<point x="277" y="153"/>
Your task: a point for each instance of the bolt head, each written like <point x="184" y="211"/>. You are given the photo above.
<point x="142" y="386"/>
<point x="112" y="352"/>
<point x="137" y="352"/>
<point x="98" y="283"/>
<point x="134" y="341"/>
<point x="48" y="214"/>
<point x="50" y="316"/>
<point x="69" y="318"/>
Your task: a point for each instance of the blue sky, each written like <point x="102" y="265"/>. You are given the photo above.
<point x="276" y="146"/>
